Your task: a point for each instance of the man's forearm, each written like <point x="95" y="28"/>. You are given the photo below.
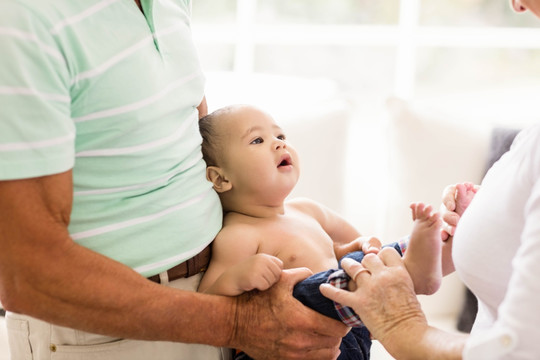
<point x="45" y="274"/>
<point x="80" y="289"/>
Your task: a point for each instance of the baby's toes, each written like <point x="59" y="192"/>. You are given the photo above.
<point x="426" y="212"/>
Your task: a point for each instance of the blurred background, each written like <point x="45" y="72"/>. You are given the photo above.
<point x="372" y="49"/>
<point x="387" y="102"/>
<point x="339" y="67"/>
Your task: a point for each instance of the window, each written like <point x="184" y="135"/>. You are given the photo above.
<point x="373" y="49"/>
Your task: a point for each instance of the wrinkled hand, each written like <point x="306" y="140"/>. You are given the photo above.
<point x="274" y="325"/>
<point x="384" y="298"/>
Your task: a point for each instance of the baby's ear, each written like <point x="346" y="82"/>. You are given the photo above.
<point x="216" y="175"/>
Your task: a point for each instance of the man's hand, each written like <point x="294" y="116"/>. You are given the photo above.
<point x="274" y="325"/>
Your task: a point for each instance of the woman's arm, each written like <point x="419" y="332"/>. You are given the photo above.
<point x="387" y="304"/>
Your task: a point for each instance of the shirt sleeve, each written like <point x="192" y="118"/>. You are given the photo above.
<point x="515" y="334"/>
<point x="36" y="130"/>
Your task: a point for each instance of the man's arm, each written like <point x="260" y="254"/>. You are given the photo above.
<point x="44" y="274"/>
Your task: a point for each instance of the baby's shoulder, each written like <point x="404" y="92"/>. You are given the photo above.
<point x="307" y="206"/>
<point x="234" y="224"/>
<point x="236" y="238"/>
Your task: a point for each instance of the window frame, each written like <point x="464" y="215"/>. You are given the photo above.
<point x="407" y="36"/>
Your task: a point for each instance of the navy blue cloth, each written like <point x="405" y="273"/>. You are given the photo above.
<point x="307" y="291"/>
<point x="357" y="343"/>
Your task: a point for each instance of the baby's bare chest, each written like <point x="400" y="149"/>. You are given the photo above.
<point x="299" y="242"/>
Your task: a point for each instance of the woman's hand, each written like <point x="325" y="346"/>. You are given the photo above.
<point x="384" y="299"/>
<point x="455" y="200"/>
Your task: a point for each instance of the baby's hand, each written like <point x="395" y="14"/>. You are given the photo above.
<point x="371" y="245"/>
<point x="259" y="271"/>
<point x="367" y="244"/>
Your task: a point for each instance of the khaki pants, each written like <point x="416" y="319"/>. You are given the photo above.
<point x="32" y="339"/>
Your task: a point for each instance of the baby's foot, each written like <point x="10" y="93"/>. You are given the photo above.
<point x="423" y="255"/>
<point x="464" y="196"/>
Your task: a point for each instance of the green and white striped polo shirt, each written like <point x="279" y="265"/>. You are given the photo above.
<point x="97" y="86"/>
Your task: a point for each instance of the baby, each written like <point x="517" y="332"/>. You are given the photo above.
<point x="253" y="168"/>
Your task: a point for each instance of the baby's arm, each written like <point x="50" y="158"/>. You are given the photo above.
<point x="236" y="267"/>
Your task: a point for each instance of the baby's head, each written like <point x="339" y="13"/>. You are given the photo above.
<point x="247" y="154"/>
<point x="212" y="134"/>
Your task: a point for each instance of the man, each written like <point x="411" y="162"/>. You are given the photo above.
<point x="102" y="185"/>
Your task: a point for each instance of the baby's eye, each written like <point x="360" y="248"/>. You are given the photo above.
<point x="258" y="140"/>
<point x="282" y="137"/>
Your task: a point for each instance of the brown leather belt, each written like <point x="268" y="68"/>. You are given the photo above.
<point x="190" y="267"/>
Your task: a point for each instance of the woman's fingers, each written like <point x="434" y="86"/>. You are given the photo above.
<point x="449" y="197"/>
<point x="338" y="295"/>
<point x="386" y="257"/>
<point x="354" y="269"/>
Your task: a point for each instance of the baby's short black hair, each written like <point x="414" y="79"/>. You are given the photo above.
<point x="211" y="139"/>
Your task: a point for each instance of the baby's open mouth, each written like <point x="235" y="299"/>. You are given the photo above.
<point x="285" y="161"/>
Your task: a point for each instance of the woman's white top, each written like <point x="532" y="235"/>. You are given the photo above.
<point x="496" y="252"/>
